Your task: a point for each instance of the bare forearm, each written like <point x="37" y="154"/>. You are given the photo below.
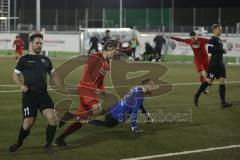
<point x="57" y="80"/>
<point x="17" y="80"/>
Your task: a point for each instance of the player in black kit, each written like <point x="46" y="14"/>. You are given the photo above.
<point x="94" y="43"/>
<point x="216" y="67"/>
<point x="34" y="67"/>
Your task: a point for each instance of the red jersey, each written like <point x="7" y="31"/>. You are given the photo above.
<point x="95" y="71"/>
<point x="198" y="47"/>
<point x="19" y="44"/>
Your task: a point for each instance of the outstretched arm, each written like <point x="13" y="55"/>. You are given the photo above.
<point x="204" y="40"/>
<point x="180" y="39"/>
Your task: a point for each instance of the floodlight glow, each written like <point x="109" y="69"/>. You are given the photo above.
<point x="3" y="18"/>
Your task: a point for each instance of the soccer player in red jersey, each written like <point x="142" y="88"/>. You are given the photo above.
<point x="18" y="42"/>
<point x="201" y="58"/>
<point x="90" y="84"/>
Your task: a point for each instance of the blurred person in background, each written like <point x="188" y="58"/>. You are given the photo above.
<point x="147" y="55"/>
<point x="134" y="43"/>
<point x="159" y="42"/>
<point x="18" y="44"/>
<point x="94" y="43"/>
<point x="106" y="37"/>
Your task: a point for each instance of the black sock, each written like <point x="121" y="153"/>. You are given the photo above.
<point x="202" y="88"/>
<point x="50" y="133"/>
<point x="222" y="91"/>
<point x="22" y="135"/>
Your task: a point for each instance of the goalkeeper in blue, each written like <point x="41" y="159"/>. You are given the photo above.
<point x="128" y="107"/>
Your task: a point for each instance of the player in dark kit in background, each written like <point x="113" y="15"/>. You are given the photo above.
<point x="159" y="42"/>
<point x="216" y="67"/>
<point x="147" y="55"/>
<point x="34" y="68"/>
<point x="94" y="43"/>
<point x="106" y="37"/>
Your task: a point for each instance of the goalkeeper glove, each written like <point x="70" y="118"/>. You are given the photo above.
<point x="136" y="130"/>
<point x="149" y="118"/>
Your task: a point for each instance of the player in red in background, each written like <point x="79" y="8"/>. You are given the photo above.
<point x="90" y="85"/>
<point x="18" y="42"/>
<point x="201" y="58"/>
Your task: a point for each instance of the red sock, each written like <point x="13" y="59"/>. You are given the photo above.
<point x="71" y="129"/>
<point x="201" y="78"/>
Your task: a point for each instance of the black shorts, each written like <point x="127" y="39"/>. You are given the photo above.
<point x="32" y="102"/>
<point x="216" y="71"/>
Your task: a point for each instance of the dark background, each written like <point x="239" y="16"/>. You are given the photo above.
<point x="206" y="11"/>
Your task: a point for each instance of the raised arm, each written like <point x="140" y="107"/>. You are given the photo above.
<point x="180" y="39"/>
<point x="204" y="40"/>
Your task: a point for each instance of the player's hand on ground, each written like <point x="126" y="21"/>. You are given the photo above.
<point x="149" y="118"/>
<point x="136" y="130"/>
<point x="24" y="88"/>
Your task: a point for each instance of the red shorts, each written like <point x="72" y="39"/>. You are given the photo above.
<point x="88" y="98"/>
<point x="201" y="65"/>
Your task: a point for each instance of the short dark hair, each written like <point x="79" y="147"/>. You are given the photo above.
<point x="107" y="31"/>
<point x="35" y="35"/>
<point x="17" y="36"/>
<point x="214" y="26"/>
<point x="110" y="45"/>
<point x="192" y="33"/>
<point x="146" y="81"/>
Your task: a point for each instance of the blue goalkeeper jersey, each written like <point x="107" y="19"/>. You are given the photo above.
<point x="129" y="106"/>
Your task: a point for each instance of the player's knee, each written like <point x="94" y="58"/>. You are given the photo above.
<point x="51" y="119"/>
<point x="209" y="81"/>
<point x="222" y="81"/>
<point x="28" y="123"/>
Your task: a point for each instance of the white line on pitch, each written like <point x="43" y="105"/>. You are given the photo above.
<point x="73" y="86"/>
<point x="175" y="84"/>
<point x="184" y="152"/>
